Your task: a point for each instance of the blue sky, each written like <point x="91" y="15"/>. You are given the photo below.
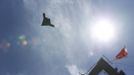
<point x="26" y="48"/>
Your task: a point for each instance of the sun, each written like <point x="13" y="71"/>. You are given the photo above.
<point x="103" y="30"/>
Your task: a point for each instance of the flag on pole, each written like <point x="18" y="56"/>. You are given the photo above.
<point x="123" y="53"/>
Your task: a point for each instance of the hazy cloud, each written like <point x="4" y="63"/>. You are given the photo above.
<point x="73" y="69"/>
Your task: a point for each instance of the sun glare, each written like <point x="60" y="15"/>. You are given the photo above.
<point x="103" y="30"/>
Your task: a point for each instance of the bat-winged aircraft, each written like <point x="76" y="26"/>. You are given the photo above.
<point x="46" y="21"/>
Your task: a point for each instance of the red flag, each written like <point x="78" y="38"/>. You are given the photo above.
<point x="123" y="53"/>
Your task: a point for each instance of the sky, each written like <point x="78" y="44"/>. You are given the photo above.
<point x="27" y="48"/>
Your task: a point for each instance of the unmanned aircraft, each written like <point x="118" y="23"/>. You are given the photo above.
<point x="46" y="21"/>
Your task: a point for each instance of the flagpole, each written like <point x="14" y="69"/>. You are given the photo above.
<point x="107" y="59"/>
<point x="124" y="46"/>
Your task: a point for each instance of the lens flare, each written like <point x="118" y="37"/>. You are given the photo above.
<point x="23" y="40"/>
